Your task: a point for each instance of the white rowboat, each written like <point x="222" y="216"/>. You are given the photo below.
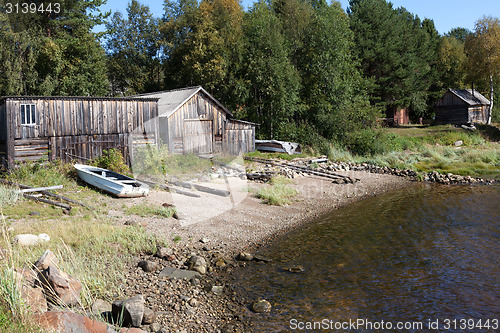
<point x="112" y="182"/>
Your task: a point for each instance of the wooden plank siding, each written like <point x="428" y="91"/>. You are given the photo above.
<point x="193" y="127"/>
<point x="451" y="109"/>
<point x="3" y="136"/>
<point x="200" y="125"/>
<point x="75" y="127"/>
<point x="239" y="137"/>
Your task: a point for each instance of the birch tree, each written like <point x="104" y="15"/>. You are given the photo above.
<point x="483" y="54"/>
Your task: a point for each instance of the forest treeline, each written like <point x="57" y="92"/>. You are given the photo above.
<point x="305" y="70"/>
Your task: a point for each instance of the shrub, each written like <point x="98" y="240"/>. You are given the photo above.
<point x="366" y="142"/>
<point x="113" y="160"/>
<point x="39" y="174"/>
<point x="9" y="195"/>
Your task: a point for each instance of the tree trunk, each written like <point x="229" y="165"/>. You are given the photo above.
<point x="491" y="100"/>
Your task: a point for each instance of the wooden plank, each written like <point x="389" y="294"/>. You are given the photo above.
<point x="50" y="202"/>
<point x="6" y="182"/>
<point x="52" y="148"/>
<point x="39" y="189"/>
<point x="10" y="134"/>
<point x="201" y="188"/>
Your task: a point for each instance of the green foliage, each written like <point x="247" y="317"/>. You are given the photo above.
<point x="133" y="51"/>
<point x="113" y="160"/>
<point x="426" y="149"/>
<point x="40" y="174"/>
<point x="54" y="54"/>
<point x="398" y="52"/>
<point x="156" y="162"/>
<point x="366" y="142"/>
<point x="273" y="80"/>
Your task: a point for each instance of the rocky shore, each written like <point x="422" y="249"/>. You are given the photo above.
<point x="207" y="302"/>
<point x="188" y="286"/>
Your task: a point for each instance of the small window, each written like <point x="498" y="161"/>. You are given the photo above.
<point x="28" y="114"/>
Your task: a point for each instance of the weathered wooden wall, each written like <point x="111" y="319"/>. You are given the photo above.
<point x="201" y="126"/>
<point x="450" y="109"/>
<point x="197" y="126"/>
<point x="239" y="137"/>
<point x="401" y="116"/>
<point x="78" y="127"/>
<point x="3" y="136"/>
<point x="449" y="99"/>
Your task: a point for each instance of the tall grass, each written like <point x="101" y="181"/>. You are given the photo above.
<point x="157" y="163"/>
<point x="279" y="193"/>
<point x="146" y="210"/>
<point x="424" y="149"/>
<point x="39" y="174"/>
<point x="94" y="252"/>
<point x="9" y="195"/>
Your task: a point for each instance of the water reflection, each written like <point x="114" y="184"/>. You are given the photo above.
<point x="425" y="252"/>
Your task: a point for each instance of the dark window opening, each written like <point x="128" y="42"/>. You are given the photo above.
<point x="28" y="114"/>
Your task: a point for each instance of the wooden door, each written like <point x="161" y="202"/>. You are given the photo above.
<point x="198" y="136"/>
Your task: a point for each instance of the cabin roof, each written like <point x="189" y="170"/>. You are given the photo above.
<point x="85" y="98"/>
<point x="170" y="101"/>
<point x="470" y="97"/>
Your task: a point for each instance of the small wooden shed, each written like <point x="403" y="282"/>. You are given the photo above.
<point x="193" y="121"/>
<point x="397" y="116"/>
<point x="462" y="106"/>
<point x="68" y="128"/>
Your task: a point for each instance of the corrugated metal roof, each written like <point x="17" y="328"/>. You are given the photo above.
<point x="170" y="101"/>
<point x="469" y="97"/>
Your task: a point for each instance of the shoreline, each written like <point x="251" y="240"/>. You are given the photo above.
<point x="187" y="306"/>
<point x="252" y="223"/>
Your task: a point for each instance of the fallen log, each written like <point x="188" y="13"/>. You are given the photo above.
<point x="44" y="192"/>
<point x="50" y="202"/>
<point x="201" y="188"/>
<point x="171" y="189"/>
<point x="322" y="173"/>
<point x="40" y="189"/>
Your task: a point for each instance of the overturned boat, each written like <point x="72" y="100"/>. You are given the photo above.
<point x="275" y="146"/>
<point x="112" y="182"/>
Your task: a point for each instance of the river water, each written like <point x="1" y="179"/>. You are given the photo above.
<point x="422" y="259"/>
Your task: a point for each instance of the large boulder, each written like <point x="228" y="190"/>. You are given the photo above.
<point x="47" y="259"/>
<point x="129" y="311"/>
<point x="67" y="321"/>
<point x="60" y="288"/>
<point x="32" y="296"/>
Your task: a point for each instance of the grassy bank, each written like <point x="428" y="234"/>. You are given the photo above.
<point x="88" y="243"/>
<point x="419" y="148"/>
<point x="425" y="149"/>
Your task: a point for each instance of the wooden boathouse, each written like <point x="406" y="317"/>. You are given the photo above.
<point x="188" y="120"/>
<point x="462" y="106"/>
<point x="193" y="121"/>
<point x="69" y="128"/>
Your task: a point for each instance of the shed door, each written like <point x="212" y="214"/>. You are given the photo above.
<point x="198" y="137"/>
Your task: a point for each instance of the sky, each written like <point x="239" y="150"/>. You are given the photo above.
<point x="446" y="14"/>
